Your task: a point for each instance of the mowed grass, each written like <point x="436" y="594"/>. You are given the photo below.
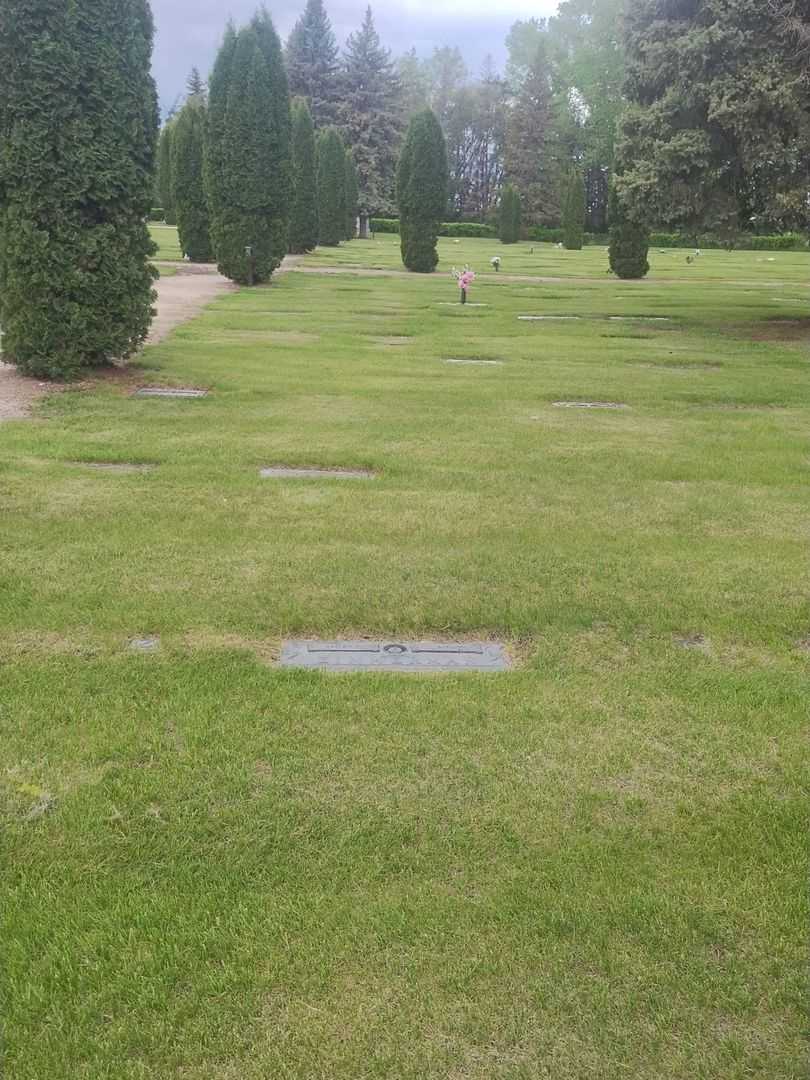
<point x="590" y="867"/>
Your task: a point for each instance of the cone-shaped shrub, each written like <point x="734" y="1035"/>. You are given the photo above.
<point x="165" y="173"/>
<point x="629" y="243"/>
<point x="509" y="215"/>
<point x="304" y="215"/>
<point x="352" y="197"/>
<point x="248" y="153"/>
<point x="78" y="129"/>
<point x="573" y="217"/>
<point x="191" y="205"/>
<point x="331" y="187"/>
<point x="422" y="181"/>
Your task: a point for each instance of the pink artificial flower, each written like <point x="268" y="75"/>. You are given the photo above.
<point x="466" y="279"/>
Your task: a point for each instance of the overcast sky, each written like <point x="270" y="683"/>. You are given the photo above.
<point x="188" y="31"/>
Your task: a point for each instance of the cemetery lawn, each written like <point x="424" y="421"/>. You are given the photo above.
<point x="591" y="867"/>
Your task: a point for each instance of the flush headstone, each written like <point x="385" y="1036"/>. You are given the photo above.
<point x="417" y="656"/>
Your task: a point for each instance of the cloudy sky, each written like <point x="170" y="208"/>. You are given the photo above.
<point x="188" y="31"/>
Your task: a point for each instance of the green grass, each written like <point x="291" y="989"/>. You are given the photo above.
<point x="592" y="867"/>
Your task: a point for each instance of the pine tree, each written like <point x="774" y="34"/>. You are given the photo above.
<point x="509" y="215"/>
<point x="78" y="129"/>
<point x="165" y="159"/>
<point x="312" y="63"/>
<point x="371" y="115"/>
<point x="195" y="87"/>
<point x="352" y="197"/>
<point x="629" y="243"/>
<point x="248" y="153"/>
<point x="331" y="187"/>
<point x="716" y="130"/>
<point x="573" y="221"/>
<point x="191" y="205"/>
<point x="422" y="183"/>
<point x="304" y="215"/>
<point x="529" y="156"/>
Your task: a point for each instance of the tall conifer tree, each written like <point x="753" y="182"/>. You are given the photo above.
<point x="190" y="203"/>
<point x="248" y="156"/>
<point x="529" y="158"/>
<point x="422" y="183"/>
<point x="78" y="128"/>
<point x="313" y="65"/>
<point x="371" y="114"/>
<point x="304" y="215"/>
<point x="331" y="187"/>
<point x="717" y="129"/>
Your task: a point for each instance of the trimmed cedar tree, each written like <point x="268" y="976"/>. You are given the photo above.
<point x="331" y="187"/>
<point x="191" y="205"/>
<point x="165" y="172"/>
<point x="573" y="222"/>
<point x="509" y="215"/>
<point x="422" y="183"/>
<point x="352" y="197"/>
<point x="249" y="153"/>
<point x="629" y="243"/>
<point x="78" y="130"/>
<point x="304" y="216"/>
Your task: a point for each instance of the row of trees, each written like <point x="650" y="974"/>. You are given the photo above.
<point x="243" y="172"/>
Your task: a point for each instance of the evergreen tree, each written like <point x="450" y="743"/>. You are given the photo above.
<point x="529" y="154"/>
<point x="422" y="183"/>
<point x="78" y="128"/>
<point x="190" y="203"/>
<point x="248" y="153"/>
<point x="509" y="215"/>
<point x="195" y="87"/>
<point x="716" y="130"/>
<point x="304" y="215"/>
<point x="629" y="243"/>
<point x="371" y="114"/>
<point x="312" y="63"/>
<point x="352" y="197"/>
<point x="165" y="159"/>
<point x="331" y="187"/>
<point x="573" y="221"/>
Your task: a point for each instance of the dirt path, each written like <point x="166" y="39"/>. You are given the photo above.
<point x="179" y="299"/>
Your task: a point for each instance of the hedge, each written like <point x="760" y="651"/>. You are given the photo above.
<point x="449" y="228"/>
<point x="541" y="234"/>
<point x="157" y="214"/>
<point x="782" y="242"/>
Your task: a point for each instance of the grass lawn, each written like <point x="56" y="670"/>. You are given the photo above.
<point x="591" y="867"/>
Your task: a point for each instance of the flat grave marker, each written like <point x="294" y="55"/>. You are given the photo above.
<point x="589" y="405"/>
<point x="114" y="466"/>
<point x="145" y="644"/>
<point x="170" y="392"/>
<point x="417" y="656"/>
<point x="470" y="360"/>
<point x="296" y="472"/>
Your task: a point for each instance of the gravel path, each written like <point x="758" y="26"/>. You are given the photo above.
<point x="179" y="299"/>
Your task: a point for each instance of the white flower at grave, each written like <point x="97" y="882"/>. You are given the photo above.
<point x="495" y="260"/>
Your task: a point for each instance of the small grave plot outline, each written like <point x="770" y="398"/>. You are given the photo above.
<point x="170" y="392"/>
<point x="314" y="472"/>
<point x="430" y="657"/>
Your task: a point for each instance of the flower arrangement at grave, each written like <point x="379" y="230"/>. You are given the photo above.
<point x="465" y="278"/>
<point x="495" y="263"/>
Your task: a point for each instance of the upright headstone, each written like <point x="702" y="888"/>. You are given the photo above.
<point x="363" y="230"/>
